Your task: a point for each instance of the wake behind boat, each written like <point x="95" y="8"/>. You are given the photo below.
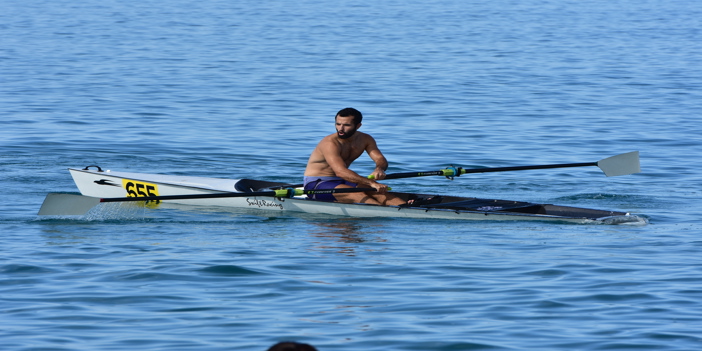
<point x="97" y="185"/>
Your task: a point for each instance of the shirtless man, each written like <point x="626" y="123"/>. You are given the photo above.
<point x="328" y="166"/>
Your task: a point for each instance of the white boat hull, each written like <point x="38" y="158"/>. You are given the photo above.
<point x="107" y="184"/>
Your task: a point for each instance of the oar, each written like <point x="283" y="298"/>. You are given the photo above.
<point x="287" y="192"/>
<point x="622" y="164"/>
<point x="58" y="204"/>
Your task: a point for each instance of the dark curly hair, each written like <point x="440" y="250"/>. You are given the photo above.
<point x="351" y="112"/>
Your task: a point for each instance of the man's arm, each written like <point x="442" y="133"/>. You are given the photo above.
<point x="381" y="163"/>
<point x="332" y="155"/>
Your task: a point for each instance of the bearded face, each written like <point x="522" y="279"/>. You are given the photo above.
<point x="345" y="127"/>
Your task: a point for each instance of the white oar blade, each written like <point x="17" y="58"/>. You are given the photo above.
<point x="57" y="204"/>
<point x="623" y="164"/>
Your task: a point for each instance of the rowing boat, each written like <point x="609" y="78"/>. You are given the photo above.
<point x="97" y="185"/>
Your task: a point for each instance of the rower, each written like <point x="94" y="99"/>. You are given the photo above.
<point x="328" y="165"/>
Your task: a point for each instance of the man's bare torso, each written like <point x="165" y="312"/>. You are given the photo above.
<point x="349" y="150"/>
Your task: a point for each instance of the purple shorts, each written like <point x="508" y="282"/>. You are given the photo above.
<point x="324" y="183"/>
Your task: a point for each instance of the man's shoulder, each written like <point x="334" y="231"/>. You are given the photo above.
<point x="331" y="138"/>
<point x="360" y="137"/>
<point x="366" y="138"/>
<point x="363" y="137"/>
<point x="329" y="141"/>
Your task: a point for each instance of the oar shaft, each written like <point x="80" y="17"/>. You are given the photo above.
<point x="413" y="174"/>
<point x="273" y="193"/>
<point x="450" y="172"/>
<point x="522" y="168"/>
<point x="622" y="164"/>
<point x="181" y="197"/>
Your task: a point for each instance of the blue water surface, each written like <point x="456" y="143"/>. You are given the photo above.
<point x="245" y="89"/>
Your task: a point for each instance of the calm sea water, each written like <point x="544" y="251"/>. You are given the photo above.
<point x="238" y="89"/>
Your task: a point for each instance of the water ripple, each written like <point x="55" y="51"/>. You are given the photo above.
<point x="246" y="89"/>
